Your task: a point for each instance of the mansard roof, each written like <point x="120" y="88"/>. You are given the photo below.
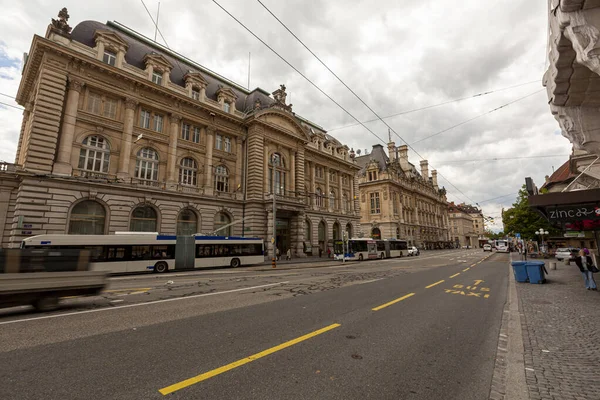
<point x="380" y="156"/>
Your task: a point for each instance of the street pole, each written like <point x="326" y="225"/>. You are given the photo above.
<point x="274" y="238"/>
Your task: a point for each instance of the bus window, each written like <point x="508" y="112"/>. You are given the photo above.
<point x="116" y="254"/>
<point x="140" y="253"/>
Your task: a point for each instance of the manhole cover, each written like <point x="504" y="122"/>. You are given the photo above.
<point x="356" y="357"/>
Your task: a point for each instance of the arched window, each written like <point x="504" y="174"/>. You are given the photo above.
<point x="319" y="197"/>
<point x="187" y="222"/>
<point x="94" y="154"/>
<point x="322" y="232"/>
<point x="188" y="172"/>
<point x="349" y="230"/>
<point x="277" y="163"/>
<point x="375" y="233"/>
<point x="336" y="231"/>
<point x="332" y="199"/>
<point x="87" y="218"/>
<point x="397" y="233"/>
<point x="146" y="166"/>
<point x="308" y="231"/>
<point x="221" y="220"/>
<point x="221" y="179"/>
<point x="143" y="219"/>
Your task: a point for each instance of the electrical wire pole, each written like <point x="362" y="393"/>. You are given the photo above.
<point x="274" y="238"/>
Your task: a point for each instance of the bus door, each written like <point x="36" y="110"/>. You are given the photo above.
<point x="372" y="249"/>
<point x="185" y="250"/>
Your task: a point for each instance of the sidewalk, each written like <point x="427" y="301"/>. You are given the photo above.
<point x="560" y="323"/>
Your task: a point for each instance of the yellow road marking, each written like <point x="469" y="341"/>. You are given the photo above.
<point x="202" y="377"/>
<point x="392" y="302"/>
<point x="466" y="269"/>
<point x="472" y="265"/>
<point x="477" y="282"/>
<point x="455" y="275"/>
<point x="433" y="284"/>
<point x="143" y="289"/>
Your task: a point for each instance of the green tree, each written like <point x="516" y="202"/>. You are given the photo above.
<point x="493" y="235"/>
<point x="524" y="220"/>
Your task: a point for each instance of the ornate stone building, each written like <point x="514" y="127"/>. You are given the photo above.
<point x="122" y="134"/>
<point x="399" y="202"/>
<point x="467" y="225"/>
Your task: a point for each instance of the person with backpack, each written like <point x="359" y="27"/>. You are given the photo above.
<point x="587" y="268"/>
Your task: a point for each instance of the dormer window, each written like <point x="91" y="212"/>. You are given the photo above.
<point x="110" y="58"/>
<point x="372" y="176"/>
<point x="226" y="107"/>
<point x="157" y="77"/>
<point x="195" y="94"/>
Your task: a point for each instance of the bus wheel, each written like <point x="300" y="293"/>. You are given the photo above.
<point x="235" y="263"/>
<point x="46" y="303"/>
<point x="360" y="257"/>
<point x="161" y="267"/>
<point x="382" y="256"/>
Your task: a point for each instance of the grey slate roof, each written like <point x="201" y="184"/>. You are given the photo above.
<point x="138" y="48"/>
<point x="380" y="156"/>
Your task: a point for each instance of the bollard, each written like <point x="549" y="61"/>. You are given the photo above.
<point x="553" y="265"/>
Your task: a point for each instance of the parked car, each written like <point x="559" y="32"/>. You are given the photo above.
<point x="487" y="247"/>
<point x="569" y="253"/>
<point x="413" y="251"/>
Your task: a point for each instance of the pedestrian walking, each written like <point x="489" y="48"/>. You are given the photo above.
<point x="587" y="268"/>
<point x="320" y="251"/>
<point x="277" y="253"/>
<point x="288" y="255"/>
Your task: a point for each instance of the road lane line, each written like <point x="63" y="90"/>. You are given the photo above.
<point x="433" y="284"/>
<point x="392" y="302"/>
<point x="140" y="304"/>
<point x="207" y="375"/>
<point x="455" y="275"/>
<point x="466" y="269"/>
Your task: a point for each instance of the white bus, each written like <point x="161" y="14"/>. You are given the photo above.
<point x="359" y="249"/>
<point x="139" y="252"/>
<point x="396" y="248"/>
<point x="502" y="246"/>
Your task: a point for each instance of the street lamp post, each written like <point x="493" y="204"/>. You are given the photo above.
<point x="274" y="238"/>
<point x="541" y="233"/>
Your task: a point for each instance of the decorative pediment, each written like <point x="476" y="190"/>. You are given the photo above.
<point x="195" y="78"/>
<point x="226" y="94"/>
<point x="287" y="122"/>
<point x="158" y="61"/>
<point x="110" y="39"/>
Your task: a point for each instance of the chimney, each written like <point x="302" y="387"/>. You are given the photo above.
<point x="424" y="170"/>
<point x="392" y="151"/>
<point x="403" y="154"/>
<point x="434" y="178"/>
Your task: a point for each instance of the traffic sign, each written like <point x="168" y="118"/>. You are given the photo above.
<point x="518" y="235"/>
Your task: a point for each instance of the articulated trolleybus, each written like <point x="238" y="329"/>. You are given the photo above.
<point x="128" y="252"/>
<point x="502" y="246"/>
<point x="365" y="249"/>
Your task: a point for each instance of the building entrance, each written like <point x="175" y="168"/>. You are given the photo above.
<point x="283" y="234"/>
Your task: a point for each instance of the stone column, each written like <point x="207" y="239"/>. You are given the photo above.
<point x="63" y="160"/>
<point x="301" y="218"/>
<point x="300" y="178"/>
<point x="210" y="144"/>
<point x="125" y="151"/>
<point x="238" y="164"/>
<point x="326" y="172"/>
<point x="100" y="54"/>
<point x="340" y="194"/>
<point x="268" y="185"/>
<point x="292" y="183"/>
<point x="313" y="185"/>
<point x="172" y="156"/>
<point x="355" y="195"/>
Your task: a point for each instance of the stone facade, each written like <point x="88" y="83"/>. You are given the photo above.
<point x="122" y="134"/>
<point x="467" y="225"/>
<point x="397" y="201"/>
<point x="571" y="80"/>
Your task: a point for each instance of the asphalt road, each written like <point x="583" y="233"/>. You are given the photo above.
<point x="419" y="328"/>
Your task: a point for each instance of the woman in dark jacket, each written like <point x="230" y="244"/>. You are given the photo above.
<point x="585" y="264"/>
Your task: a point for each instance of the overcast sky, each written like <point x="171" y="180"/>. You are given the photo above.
<point x="397" y="56"/>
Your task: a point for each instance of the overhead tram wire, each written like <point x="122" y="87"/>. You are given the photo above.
<point x="300" y="73"/>
<point x="338" y="78"/>
<point x="437" y="105"/>
<point x="476" y="117"/>
<point x="504" y="158"/>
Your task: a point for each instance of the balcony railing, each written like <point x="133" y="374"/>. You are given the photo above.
<point x="290" y="199"/>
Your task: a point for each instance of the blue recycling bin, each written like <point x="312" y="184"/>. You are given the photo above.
<point x="520" y="271"/>
<point x="535" y="272"/>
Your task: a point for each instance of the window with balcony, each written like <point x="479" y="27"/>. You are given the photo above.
<point x="319" y="172"/>
<point x="277" y="167"/>
<point x="146" y="166"/>
<point x="185" y="131"/>
<point x="94" y="155"/>
<point x="145" y="117"/>
<point x="218" y="142"/>
<point x="227" y="144"/>
<point x="375" y="204"/>
<point x="196" y="135"/>
<point x="110" y="58"/>
<point x="188" y="171"/>
<point x="157" y="77"/>
<point x="345" y="204"/>
<point x="319" y="197"/>
<point x="110" y="108"/>
<point x="221" y="179"/>
<point x="158" y="123"/>
<point x="332" y="196"/>
<point x="94" y="103"/>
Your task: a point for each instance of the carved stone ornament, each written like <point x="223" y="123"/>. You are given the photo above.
<point x="130" y="104"/>
<point x="174" y="118"/>
<point x="76" y="85"/>
<point x="584" y="36"/>
<point x="579" y="125"/>
<point x="280" y="95"/>
<point x="92" y="194"/>
<point x="257" y="104"/>
<point x="60" y="25"/>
